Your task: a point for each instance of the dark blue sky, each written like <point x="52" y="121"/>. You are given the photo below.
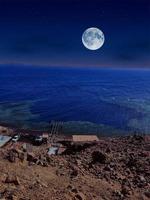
<point x="48" y="32"/>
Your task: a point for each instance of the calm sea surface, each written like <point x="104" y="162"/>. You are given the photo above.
<point x="107" y="101"/>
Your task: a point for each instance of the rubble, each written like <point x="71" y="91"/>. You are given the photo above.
<point x="113" y="168"/>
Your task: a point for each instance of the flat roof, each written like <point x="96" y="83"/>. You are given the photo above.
<point x="85" y="138"/>
<point x="4" y="140"/>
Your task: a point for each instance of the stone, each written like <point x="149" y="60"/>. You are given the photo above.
<point x="138" y="137"/>
<point x="108" y="150"/>
<point x="12" y="179"/>
<point x="74" y="190"/>
<point x="74" y="172"/>
<point x="31" y="157"/>
<point x="108" y="168"/>
<point x="21" y="156"/>
<point x="147" y="193"/>
<point x="98" y="157"/>
<point x="132" y="162"/>
<point x="79" y="196"/>
<point x="12" y="156"/>
<point x="125" y="190"/>
<point x="118" y="194"/>
<point x="142" y="179"/>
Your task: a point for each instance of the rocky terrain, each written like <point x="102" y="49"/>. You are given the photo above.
<point x="111" y="169"/>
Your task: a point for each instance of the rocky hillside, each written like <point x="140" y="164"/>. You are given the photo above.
<point x="111" y="169"/>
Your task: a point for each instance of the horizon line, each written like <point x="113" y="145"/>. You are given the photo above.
<point x="76" y="66"/>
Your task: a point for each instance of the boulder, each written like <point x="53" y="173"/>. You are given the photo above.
<point x="12" y="156"/>
<point x="79" y="196"/>
<point x="15" y="154"/>
<point x="147" y="193"/>
<point x="31" y="157"/>
<point x="74" y="172"/>
<point x="98" y="157"/>
<point x="12" y="179"/>
<point x="125" y="190"/>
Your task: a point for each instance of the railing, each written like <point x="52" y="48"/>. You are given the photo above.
<point x="55" y="129"/>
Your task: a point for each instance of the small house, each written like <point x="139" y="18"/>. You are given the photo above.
<point x="85" y="138"/>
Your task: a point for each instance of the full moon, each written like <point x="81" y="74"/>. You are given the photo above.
<point x="93" y="38"/>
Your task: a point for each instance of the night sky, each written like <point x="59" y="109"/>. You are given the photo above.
<point x="48" y="32"/>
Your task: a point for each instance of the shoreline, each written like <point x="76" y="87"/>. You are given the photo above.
<point x="10" y="130"/>
<point x="17" y="129"/>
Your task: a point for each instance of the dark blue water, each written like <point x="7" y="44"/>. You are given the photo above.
<point x="106" y="99"/>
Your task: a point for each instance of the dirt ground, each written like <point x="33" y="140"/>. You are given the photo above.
<point x="111" y="169"/>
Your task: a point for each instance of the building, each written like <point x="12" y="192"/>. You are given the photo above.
<point x="85" y="138"/>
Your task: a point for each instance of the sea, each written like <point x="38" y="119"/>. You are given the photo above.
<point x="87" y="100"/>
